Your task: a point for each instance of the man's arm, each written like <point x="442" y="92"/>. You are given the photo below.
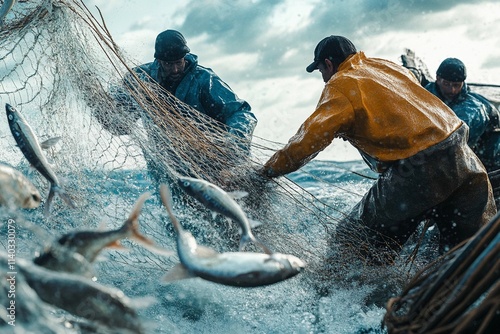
<point x="333" y="113"/>
<point x="224" y="105"/>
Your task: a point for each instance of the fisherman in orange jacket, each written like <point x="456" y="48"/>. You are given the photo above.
<point x="406" y="134"/>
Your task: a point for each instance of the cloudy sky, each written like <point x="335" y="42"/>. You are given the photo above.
<point x="261" y="47"/>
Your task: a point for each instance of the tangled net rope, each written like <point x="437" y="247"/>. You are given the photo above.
<point x="59" y="67"/>
<point x="460" y="293"/>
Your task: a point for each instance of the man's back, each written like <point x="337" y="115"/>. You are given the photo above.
<point x="394" y="117"/>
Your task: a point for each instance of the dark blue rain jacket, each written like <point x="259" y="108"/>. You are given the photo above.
<point x="202" y="89"/>
<point x="483" y="121"/>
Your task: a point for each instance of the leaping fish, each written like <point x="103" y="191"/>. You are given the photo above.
<point x="89" y="244"/>
<point x="241" y="269"/>
<point x="29" y="145"/>
<point x="5" y="9"/>
<point x="216" y="199"/>
<point x="16" y="190"/>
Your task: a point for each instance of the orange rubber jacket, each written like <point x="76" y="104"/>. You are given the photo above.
<point x="375" y="104"/>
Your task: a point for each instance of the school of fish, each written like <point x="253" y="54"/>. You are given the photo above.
<point x="62" y="274"/>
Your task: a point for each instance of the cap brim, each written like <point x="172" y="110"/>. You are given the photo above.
<point x="313" y="66"/>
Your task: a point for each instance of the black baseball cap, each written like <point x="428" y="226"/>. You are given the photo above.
<point x="170" y="45"/>
<point x="452" y="69"/>
<point x="335" y="48"/>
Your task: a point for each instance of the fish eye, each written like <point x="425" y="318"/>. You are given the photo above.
<point x="35" y="197"/>
<point x="10" y="117"/>
<point x="186" y="183"/>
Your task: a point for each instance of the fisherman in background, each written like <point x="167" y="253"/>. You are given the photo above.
<point x="416" y="144"/>
<point x="178" y="72"/>
<point x="474" y="109"/>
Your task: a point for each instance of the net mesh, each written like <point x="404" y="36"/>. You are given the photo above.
<point x="61" y="68"/>
<point x="459" y="293"/>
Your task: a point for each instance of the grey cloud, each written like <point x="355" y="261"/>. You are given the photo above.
<point x="492" y="61"/>
<point x="243" y="27"/>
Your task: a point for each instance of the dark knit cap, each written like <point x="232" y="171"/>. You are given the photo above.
<point x="452" y="69"/>
<point x="170" y="45"/>
<point x="335" y="48"/>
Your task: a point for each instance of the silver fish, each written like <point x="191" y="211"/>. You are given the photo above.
<point x="5" y="9"/>
<point x="216" y="199"/>
<point x="29" y="145"/>
<point x="16" y="191"/>
<point x="242" y="269"/>
<point x="31" y="311"/>
<point x="65" y="254"/>
<point x="82" y="297"/>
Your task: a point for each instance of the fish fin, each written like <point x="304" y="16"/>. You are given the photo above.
<point x="48" y="202"/>
<point x="254" y="223"/>
<point x="132" y="225"/>
<point x="237" y="194"/>
<point x="45" y="145"/>
<point x="245" y="240"/>
<point x="143" y="240"/>
<point x="177" y="273"/>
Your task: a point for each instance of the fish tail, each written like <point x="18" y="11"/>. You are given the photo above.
<point x="263" y="246"/>
<point x="131" y="227"/>
<point x="244" y="241"/>
<point x="166" y="198"/>
<point x="64" y="196"/>
<point x="55" y="189"/>
<point x="48" y="202"/>
<point x="247" y="238"/>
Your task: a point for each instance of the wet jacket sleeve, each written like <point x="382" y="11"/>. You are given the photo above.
<point x="333" y="115"/>
<point x="469" y="109"/>
<point x="473" y="113"/>
<point x="221" y="103"/>
<point x="492" y="112"/>
<point x="488" y="146"/>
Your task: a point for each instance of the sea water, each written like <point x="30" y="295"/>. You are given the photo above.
<point x="307" y="303"/>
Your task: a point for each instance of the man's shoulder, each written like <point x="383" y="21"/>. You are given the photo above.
<point x="143" y="68"/>
<point x="471" y="99"/>
<point x="432" y="87"/>
<point x="203" y="71"/>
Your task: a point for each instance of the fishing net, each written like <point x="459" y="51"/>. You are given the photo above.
<point x="459" y="293"/>
<point x="60" y="67"/>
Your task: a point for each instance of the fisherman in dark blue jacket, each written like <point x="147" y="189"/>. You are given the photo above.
<point x="178" y="72"/>
<point x="475" y="110"/>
